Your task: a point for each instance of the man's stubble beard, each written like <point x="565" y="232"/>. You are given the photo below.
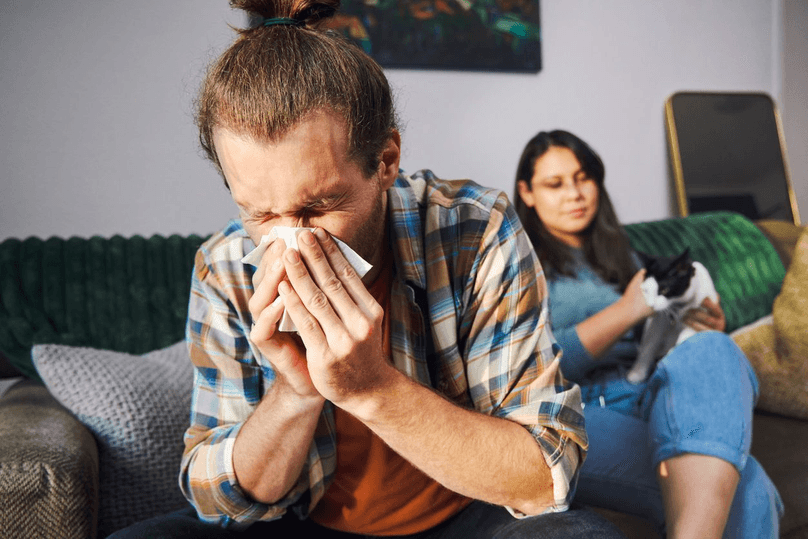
<point x="369" y="239"/>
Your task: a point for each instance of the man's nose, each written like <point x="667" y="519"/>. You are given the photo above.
<point x="294" y="221"/>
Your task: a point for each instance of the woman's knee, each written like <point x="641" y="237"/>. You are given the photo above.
<point x="709" y="355"/>
<point x="700" y="400"/>
<point x="703" y="345"/>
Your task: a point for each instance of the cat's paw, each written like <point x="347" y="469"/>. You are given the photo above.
<point x="650" y="289"/>
<point x="636" y="376"/>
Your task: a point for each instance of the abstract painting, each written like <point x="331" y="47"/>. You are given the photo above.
<point x="475" y="35"/>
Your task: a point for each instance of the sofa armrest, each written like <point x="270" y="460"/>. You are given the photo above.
<point x="48" y="467"/>
<point x="779" y="445"/>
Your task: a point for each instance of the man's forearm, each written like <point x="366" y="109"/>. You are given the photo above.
<point x="480" y="456"/>
<point x="273" y="445"/>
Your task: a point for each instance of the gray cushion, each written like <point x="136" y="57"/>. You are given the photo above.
<point x="137" y="408"/>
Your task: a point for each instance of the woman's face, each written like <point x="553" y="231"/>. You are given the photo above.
<point x="562" y="195"/>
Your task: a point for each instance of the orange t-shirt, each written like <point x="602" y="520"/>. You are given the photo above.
<point x="375" y="490"/>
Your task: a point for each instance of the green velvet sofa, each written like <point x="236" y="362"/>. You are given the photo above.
<point x="128" y="296"/>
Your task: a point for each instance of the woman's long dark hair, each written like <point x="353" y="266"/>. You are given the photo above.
<point x="605" y="245"/>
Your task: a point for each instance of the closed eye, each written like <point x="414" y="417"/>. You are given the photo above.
<point x="257" y="217"/>
<point x="315" y="208"/>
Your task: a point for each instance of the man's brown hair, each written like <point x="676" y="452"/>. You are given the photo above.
<point x="274" y="75"/>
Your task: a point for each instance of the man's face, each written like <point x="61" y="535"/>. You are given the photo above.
<point x="306" y="179"/>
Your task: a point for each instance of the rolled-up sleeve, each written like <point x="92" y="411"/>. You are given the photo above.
<point x="228" y="384"/>
<point x="512" y="357"/>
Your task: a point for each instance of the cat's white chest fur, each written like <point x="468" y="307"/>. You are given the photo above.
<point x="664" y="329"/>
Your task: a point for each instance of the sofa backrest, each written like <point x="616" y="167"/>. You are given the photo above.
<point x="131" y="294"/>
<point x="124" y="294"/>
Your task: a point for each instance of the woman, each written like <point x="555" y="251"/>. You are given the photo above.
<point x="675" y="448"/>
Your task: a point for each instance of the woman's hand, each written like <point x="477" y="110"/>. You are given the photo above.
<point x="708" y="316"/>
<point x="634" y="300"/>
<point x="601" y="331"/>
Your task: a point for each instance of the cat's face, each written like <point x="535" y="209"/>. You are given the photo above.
<point x="672" y="274"/>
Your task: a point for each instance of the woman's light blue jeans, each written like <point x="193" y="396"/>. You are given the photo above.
<point x="699" y="400"/>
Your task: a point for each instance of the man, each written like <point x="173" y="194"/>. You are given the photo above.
<point x="420" y="400"/>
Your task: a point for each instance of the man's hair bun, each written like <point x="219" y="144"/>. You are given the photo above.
<point x="307" y="12"/>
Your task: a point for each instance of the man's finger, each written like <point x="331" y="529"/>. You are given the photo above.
<point x="270" y="255"/>
<point x="343" y="270"/>
<point x="308" y="327"/>
<point x="264" y="326"/>
<point x="266" y="288"/>
<point x="327" y="271"/>
<point x="314" y="307"/>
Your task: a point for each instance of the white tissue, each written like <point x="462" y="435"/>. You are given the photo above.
<point x="289" y="235"/>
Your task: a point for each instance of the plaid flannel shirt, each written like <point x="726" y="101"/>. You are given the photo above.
<point x="469" y="318"/>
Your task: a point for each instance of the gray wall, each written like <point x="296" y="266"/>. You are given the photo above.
<point x="795" y="96"/>
<point x="96" y="104"/>
<point x="96" y="112"/>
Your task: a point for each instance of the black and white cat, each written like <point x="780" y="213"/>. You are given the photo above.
<point x="672" y="286"/>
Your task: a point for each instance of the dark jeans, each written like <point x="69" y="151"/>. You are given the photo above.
<point x="478" y="520"/>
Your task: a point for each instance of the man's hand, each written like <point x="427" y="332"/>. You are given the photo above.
<point x="339" y="321"/>
<point x="708" y="316"/>
<point x="340" y="324"/>
<point x="283" y="350"/>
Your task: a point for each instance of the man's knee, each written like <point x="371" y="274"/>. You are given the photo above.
<point x="182" y="524"/>
<point x="572" y="524"/>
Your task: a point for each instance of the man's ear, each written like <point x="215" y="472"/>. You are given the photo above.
<point x="391" y="156"/>
<point x="525" y="193"/>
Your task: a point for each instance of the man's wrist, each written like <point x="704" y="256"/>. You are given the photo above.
<point x="370" y="405"/>
<point x="287" y="394"/>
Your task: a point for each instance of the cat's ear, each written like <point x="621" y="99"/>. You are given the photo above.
<point x="683" y="258"/>
<point x="684" y="264"/>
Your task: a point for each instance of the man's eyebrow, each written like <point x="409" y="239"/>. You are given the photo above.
<point x="325" y="200"/>
<point x="246" y="208"/>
